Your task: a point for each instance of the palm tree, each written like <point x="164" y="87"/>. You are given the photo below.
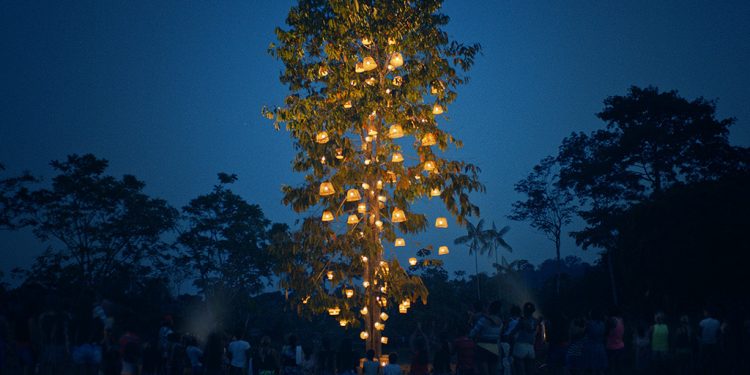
<point x="477" y="240"/>
<point x="497" y="240"/>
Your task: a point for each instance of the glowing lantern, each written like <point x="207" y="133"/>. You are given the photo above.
<point x="397" y="157"/>
<point x="443" y="250"/>
<point x="379" y="326"/>
<point x="363" y="310"/>
<point x="352" y="195"/>
<point x="379" y="185"/>
<point x="326" y="189"/>
<point x="364" y="259"/>
<point x="390" y="67"/>
<point x="372" y="130"/>
<point x="384" y="340"/>
<point x="391" y="41"/>
<point x="322" y="160"/>
<point x="381" y="198"/>
<point x="321" y="137"/>
<point x="400" y="242"/>
<point x="366" y="41"/>
<point x="323" y="71"/>
<point x="402" y="309"/>
<point x="334" y="311"/>
<point x="406" y="303"/>
<point x="437" y="109"/>
<point x="304" y="300"/>
<point x="435" y="192"/>
<point x="359" y="67"/>
<point x="343" y="322"/>
<point x="368" y="63"/>
<point x="395" y="131"/>
<point x="348" y="104"/>
<point x="398" y="215"/>
<point x="413" y="261"/>
<point x="365" y="283"/>
<point x="396" y="60"/>
<point x="429" y="166"/>
<point x="365" y="185"/>
<point x="339" y="153"/>
<point x="327" y="216"/>
<point x="371" y="81"/>
<point x="383" y="316"/>
<point x="349" y="293"/>
<point x="397" y="81"/>
<point x="368" y="161"/>
<point x="378" y="223"/>
<point x="329" y="275"/>
<point x="441" y="222"/>
<point x="352" y="219"/>
<point x="383" y="303"/>
<point x="429" y="139"/>
<point x="362" y="207"/>
<point x="364" y="335"/>
<point x="383" y="289"/>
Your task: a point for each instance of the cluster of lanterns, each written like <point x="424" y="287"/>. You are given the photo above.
<point x="394" y="61"/>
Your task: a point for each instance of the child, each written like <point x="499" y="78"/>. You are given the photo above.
<point x="371" y="366"/>
<point x="392" y="368"/>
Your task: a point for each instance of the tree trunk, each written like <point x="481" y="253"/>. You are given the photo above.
<point x="559" y="267"/>
<point x="476" y="275"/>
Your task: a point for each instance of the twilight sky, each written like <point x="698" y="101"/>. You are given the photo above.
<point x="172" y="92"/>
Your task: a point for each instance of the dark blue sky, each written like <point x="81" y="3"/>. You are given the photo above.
<point x="172" y="92"/>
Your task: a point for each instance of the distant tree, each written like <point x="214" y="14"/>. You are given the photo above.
<point x="11" y="191"/>
<point x="496" y="239"/>
<point x="96" y="225"/>
<point x="478" y="241"/>
<point x="546" y="205"/>
<point x="224" y="243"/>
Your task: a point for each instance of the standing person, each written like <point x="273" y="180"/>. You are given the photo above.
<point x="594" y="352"/>
<point x="683" y="346"/>
<point x="266" y="359"/>
<point x="308" y="360"/>
<point x="708" y="338"/>
<point x="213" y="355"/>
<point x="194" y="355"/>
<point x="164" y="331"/>
<point x="574" y="355"/>
<point x="238" y="351"/>
<point x="346" y="360"/>
<point x="615" y="343"/>
<point x="177" y="358"/>
<point x="486" y="332"/>
<point x="420" y="349"/>
<point x="325" y="362"/>
<point x="370" y="366"/>
<point x="392" y="368"/>
<point x="464" y="348"/>
<point x="642" y="344"/>
<point x="659" y="343"/>
<point x="130" y="352"/>
<point x="441" y="365"/>
<point x="507" y="337"/>
<point x="523" y="348"/>
<point x="291" y="356"/>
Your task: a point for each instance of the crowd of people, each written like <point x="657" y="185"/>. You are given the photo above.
<point x="492" y="341"/>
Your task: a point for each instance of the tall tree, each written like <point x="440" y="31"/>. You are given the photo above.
<point x="496" y="238"/>
<point x="547" y="205"/>
<point x="478" y="241"/>
<point x="12" y="189"/>
<point x="360" y="76"/>
<point x="97" y="225"/>
<point x="225" y="243"/>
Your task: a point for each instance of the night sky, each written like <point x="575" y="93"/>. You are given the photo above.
<point x="172" y="92"/>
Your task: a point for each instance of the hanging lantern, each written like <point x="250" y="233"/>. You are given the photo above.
<point x="429" y="139"/>
<point x="352" y="219"/>
<point x="333" y="311"/>
<point x="366" y="42"/>
<point x="383" y="289"/>
<point x="321" y="137"/>
<point x="329" y="275"/>
<point x="402" y="309"/>
<point x="304" y="300"/>
<point x="352" y="195"/>
<point x="390" y="67"/>
<point x="396" y="60"/>
<point x="372" y="130"/>
<point x="364" y="259"/>
<point x="348" y="104"/>
<point x="359" y="68"/>
<point x="397" y="81"/>
<point x="384" y="340"/>
<point x="383" y="302"/>
<point x="391" y="41"/>
<point x="437" y="109"/>
<point x="429" y="166"/>
<point x="378" y="223"/>
<point x="349" y="293"/>
<point x="339" y="153"/>
<point x="362" y="207"/>
<point x="365" y="185"/>
<point x="326" y="189"/>
<point x="406" y="303"/>
<point x="322" y="160"/>
<point x="441" y="222"/>
<point x="371" y="81"/>
<point x="363" y="310"/>
<point x="383" y="316"/>
<point x="368" y="63"/>
<point x="395" y="131"/>
<point x="343" y="322"/>
<point x="443" y="250"/>
<point x="327" y="216"/>
<point x="323" y="71"/>
<point x="379" y="326"/>
<point x="435" y="192"/>
<point x="397" y="157"/>
<point x="398" y="215"/>
<point x="364" y="335"/>
<point x="379" y="185"/>
<point x="413" y="261"/>
<point x="399" y="242"/>
<point x="365" y="283"/>
<point x="368" y="161"/>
